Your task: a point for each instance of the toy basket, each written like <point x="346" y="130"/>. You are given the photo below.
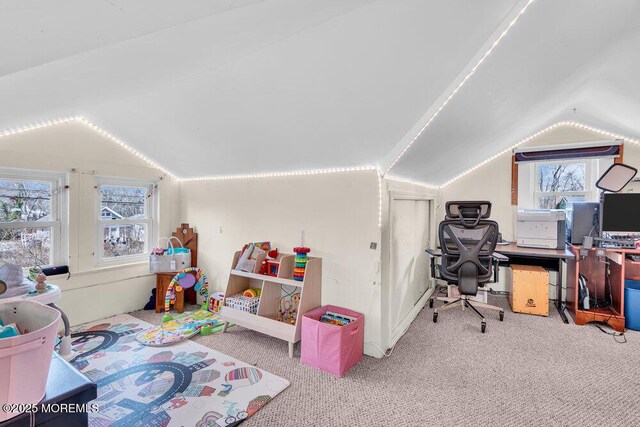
<point x="25" y="359"/>
<point x="242" y="303"/>
<point x="331" y="348"/>
<point x="173" y="259"/>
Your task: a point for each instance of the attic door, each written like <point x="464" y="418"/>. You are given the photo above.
<point x="410" y="236"/>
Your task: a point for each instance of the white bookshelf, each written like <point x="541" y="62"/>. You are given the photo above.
<point x="265" y="320"/>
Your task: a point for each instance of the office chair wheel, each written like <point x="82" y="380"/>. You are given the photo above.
<point x="431" y="303"/>
<point x="483" y="327"/>
<point x="501" y="316"/>
<point x="435" y="317"/>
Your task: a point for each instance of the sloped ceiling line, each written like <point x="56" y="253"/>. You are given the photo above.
<point x="459" y="86"/>
<point x="537" y="134"/>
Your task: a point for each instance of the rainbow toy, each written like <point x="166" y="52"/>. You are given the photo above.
<point x="301" y="263"/>
<point x="185" y="280"/>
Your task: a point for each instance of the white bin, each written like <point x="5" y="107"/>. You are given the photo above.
<point x="25" y="359"/>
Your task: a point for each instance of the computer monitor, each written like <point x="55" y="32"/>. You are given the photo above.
<point x="621" y="213"/>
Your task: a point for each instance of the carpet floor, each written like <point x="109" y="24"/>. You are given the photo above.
<point x="523" y="371"/>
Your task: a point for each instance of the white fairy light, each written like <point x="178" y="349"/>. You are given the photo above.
<point x="537" y="134"/>
<point x="457" y="89"/>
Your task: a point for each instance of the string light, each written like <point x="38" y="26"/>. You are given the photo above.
<point x="379" y="198"/>
<point x="410" y="181"/>
<point x="539" y="133"/>
<point x="37" y="126"/>
<point x="127" y="147"/>
<point x="280" y="174"/>
<point x="457" y="89"/>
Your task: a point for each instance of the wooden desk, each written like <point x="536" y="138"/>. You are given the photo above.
<point x="551" y="259"/>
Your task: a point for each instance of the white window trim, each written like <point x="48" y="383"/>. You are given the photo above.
<point x="151" y="222"/>
<point x="59" y="210"/>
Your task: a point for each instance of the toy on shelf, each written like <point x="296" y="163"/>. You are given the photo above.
<point x="300" y="263"/>
<point x="252" y="293"/>
<point x="249" y="255"/>
<point x="216" y="301"/>
<point x="185" y="280"/>
<point x="288" y="308"/>
<point x="271" y="265"/>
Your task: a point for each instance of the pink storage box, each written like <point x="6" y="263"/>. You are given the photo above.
<point x="25" y="359"/>
<point x="331" y="348"/>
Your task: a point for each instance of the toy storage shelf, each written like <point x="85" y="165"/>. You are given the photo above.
<point x="281" y="280"/>
<point x="264" y="321"/>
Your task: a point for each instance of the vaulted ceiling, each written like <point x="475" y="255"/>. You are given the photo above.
<point x="233" y="87"/>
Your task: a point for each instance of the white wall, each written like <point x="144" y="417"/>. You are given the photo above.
<point x="91" y="293"/>
<point x="338" y="214"/>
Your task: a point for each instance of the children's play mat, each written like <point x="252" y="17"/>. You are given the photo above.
<point x="181" y="327"/>
<point x="185" y="384"/>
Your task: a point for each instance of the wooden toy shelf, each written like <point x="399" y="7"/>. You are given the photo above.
<point x="265" y="320"/>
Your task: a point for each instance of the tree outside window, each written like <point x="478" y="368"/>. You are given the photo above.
<point x="559" y="184"/>
<point x="27" y="221"/>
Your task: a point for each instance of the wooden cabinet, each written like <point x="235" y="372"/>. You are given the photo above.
<point x="605" y="275"/>
<point x="162" y="284"/>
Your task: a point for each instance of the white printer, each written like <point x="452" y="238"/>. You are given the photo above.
<point x="541" y="228"/>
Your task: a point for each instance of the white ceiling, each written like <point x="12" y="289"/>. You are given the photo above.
<point x="251" y="86"/>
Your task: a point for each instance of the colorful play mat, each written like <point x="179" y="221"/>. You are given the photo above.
<point x="182" y="327"/>
<point x="183" y="385"/>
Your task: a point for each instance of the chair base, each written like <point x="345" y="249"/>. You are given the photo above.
<point x="463" y="302"/>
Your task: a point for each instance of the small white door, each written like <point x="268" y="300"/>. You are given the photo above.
<point x="409" y="263"/>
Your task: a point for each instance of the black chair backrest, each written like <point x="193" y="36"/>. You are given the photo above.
<point x="467" y="239"/>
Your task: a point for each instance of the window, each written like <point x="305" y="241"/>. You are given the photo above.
<point x="31" y="218"/>
<point x="560" y="183"/>
<point x="126" y="215"/>
<point x="557" y="184"/>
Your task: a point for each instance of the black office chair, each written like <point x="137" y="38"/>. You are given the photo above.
<point x="468" y="241"/>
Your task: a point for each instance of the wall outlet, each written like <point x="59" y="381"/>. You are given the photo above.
<point x="600" y="252"/>
<point x="373" y="245"/>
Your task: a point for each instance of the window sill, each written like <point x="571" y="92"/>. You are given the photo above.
<point x="112" y="267"/>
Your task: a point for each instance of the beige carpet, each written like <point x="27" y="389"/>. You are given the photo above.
<point x="523" y="371"/>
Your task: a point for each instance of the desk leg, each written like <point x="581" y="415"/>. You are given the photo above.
<point x="560" y="303"/>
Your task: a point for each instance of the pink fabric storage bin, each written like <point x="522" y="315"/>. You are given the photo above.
<point x="331" y="348"/>
<point x="25" y="359"/>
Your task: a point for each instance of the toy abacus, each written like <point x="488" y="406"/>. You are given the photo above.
<point x="301" y="263"/>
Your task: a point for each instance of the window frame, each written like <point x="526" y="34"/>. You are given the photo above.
<point x="151" y="221"/>
<point x="59" y="223"/>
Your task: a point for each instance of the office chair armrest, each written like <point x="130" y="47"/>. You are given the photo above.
<point x="498" y="257"/>
<point x="433" y="254"/>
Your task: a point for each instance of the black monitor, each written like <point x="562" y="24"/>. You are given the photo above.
<point x="621" y="213"/>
